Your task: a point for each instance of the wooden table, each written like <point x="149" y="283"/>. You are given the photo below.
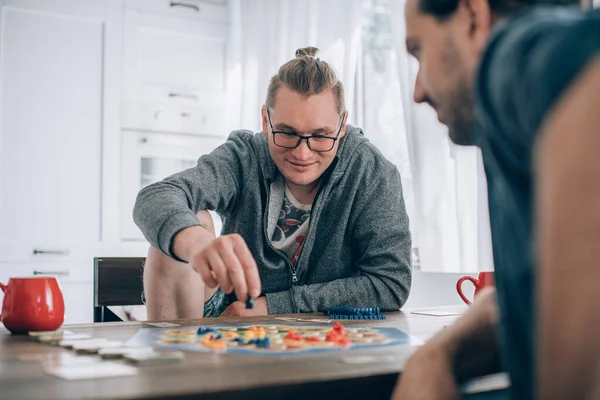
<point x="217" y="376"/>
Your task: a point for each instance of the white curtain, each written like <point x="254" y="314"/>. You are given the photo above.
<point x="450" y="191"/>
<point x="267" y="33"/>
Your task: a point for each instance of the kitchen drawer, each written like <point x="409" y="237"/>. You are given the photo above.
<point x="47" y="252"/>
<point x="180" y="118"/>
<point x="175" y="95"/>
<point x="65" y="272"/>
<point x="206" y="10"/>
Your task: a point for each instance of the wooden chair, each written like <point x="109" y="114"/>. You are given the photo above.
<point x="117" y="282"/>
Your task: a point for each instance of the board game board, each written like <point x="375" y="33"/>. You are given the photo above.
<point x="269" y="339"/>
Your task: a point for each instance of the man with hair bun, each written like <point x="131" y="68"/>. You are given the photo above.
<point x="313" y="214"/>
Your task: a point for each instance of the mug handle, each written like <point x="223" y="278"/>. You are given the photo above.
<point x="3" y="287"/>
<point x="459" y="287"/>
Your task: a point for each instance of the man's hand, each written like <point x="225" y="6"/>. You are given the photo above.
<point x="224" y="261"/>
<point x="238" y="309"/>
<point x="428" y="375"/>
<point x="466" y="349"/>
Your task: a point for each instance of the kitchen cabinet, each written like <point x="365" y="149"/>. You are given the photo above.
<point x="174" y="73"/>
<point x="50" y="147"/>
<point x="98" y="99"/>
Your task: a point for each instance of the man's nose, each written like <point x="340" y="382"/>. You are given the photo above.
<point x="419" y="94"/>
<point x="302" y="152"/>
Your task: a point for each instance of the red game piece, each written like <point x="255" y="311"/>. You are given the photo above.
<point x="293" y="335"/>
<point x="332" y="336"/>
<point x="338" y="328"/>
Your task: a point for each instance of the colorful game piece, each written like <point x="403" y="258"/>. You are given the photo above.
<point x="209" y="336"/>
<point x="263" y="343"/>
<point x="339" y="328"/>
<point x="250" y="303"/>
<point x="230" y="335"/>
<point x="332" y="335"/>
<point x="204" y="330"/>
<point x="293" y="335"/>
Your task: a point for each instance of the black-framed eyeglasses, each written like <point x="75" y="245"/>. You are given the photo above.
<point x="291" y="140"/>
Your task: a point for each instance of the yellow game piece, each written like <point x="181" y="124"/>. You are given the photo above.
<point x="230" y="335"/>
<point x="259" y="332"/>
<point x="249" y="335"/>
<point x="258" y="329"/>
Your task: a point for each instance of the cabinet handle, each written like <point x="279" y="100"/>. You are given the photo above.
<point x="184" y="95"/>
<point x="59" y="273"/>
<point x="52" y="252"/>
<point x="186" y="5"/>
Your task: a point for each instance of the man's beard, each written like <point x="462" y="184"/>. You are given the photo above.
<point x="460" y="98"/>
<point x="460" y="119"/>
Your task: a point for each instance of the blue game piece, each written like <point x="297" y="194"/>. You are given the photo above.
<point x="250" y="303"/>
<point x="263" y="343"/>
<point x="204" y="330"/>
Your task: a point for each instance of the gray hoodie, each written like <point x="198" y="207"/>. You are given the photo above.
<point x="357" y="249"/>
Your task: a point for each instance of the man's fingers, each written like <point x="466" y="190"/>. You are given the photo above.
<point x="219" y="269"/>
<point x="236" y="274"/>
<point x="248" y="265"/>
<point x="201" y="265"/>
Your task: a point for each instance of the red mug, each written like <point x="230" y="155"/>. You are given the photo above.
<point x="483" y="280"/>
<point x="32" y="304"/>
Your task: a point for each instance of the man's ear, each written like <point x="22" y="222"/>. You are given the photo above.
<point x="344" y="122"/>
<point x="477" y="19"/>
<point x="265" y="121"/>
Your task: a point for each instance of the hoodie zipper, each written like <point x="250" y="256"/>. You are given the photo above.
<point x="293" y="269"/>
<point x="312" y="220"/>
<point x="266" y="230"/>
